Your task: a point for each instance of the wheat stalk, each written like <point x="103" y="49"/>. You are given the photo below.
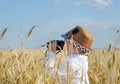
<point x="110" y="47"/>
<point x="3" y="33"/>
<point x="30" y="32"/>
<point x="28" y="36"/>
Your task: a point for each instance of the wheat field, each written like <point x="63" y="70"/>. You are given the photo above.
<point x="27" y="66"/>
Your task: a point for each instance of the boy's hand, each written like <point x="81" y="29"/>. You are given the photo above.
<point x="52" y="45"/>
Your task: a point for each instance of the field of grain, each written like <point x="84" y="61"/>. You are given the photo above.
<point x="25" y="66"/>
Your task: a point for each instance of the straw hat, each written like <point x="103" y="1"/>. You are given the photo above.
<point x="82" y="38"/>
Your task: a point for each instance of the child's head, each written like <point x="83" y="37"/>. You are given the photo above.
<point x="79" y="39"/>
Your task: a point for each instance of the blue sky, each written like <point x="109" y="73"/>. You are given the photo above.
<point x="55" y="17"/>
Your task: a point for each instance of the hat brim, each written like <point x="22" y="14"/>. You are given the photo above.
<point x="65" y="36"/>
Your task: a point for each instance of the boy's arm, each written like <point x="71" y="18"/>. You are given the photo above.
<point x="50" y="57"/>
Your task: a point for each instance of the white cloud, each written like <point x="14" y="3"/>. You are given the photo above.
<point x="96" y="3"/>
<point x="102" y="3"/>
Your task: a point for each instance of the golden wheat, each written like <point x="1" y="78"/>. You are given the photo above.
<point x="28" y="67"/>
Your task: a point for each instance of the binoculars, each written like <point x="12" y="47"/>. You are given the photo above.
<point x="59" y="46"/>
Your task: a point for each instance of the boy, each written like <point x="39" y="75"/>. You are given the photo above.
<point x="78" y="42"/>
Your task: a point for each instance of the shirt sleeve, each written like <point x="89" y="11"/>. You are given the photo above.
<point x="50" y="57"/>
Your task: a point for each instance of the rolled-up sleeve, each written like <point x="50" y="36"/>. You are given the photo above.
<point x="50" y="60"/>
